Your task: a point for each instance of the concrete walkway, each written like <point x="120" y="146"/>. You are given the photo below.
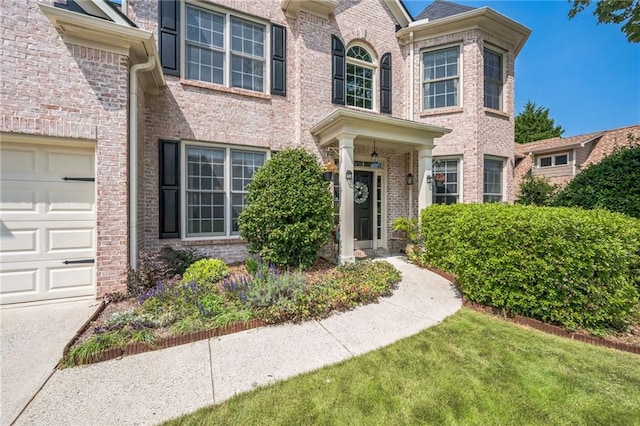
<point x="155" y="386"/>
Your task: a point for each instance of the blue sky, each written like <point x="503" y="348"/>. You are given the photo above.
<point x="588" y="75"/>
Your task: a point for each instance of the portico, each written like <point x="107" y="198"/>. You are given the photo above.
<point x="345" y="130"/>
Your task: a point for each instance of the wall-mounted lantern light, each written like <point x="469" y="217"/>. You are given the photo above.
<point x="409" y="179"/>
<point x="349" y="175"/>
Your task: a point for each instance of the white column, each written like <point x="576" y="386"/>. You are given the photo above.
<point x="345" y="142"/>
<point x="424" y="170"/>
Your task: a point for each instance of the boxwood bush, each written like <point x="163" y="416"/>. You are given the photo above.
<point x="577" y="268"/>
<point x="288" y="216"/>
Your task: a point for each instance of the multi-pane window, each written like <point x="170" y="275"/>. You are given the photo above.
<point x="216" y="186"/>
<point x="492" y="180"/>
<point x="445" y="182"/>
<point x="554" y="160"/>
<point x="216" y="54"/>
<point x="493" y="79"/>
<point x="440" y="78"/>
<point x="243" y="165"/>
<point x="359" y="78"/>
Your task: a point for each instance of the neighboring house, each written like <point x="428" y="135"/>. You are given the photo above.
<point x="560" y="159"/>
<point x="123" y="132"/>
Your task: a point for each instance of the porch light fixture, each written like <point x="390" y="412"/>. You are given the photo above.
<point x="410" y="179"/>
<point x="374" y="156"/>
<point x="349" y="175"/>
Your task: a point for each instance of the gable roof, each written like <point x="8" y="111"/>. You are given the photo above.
<point x="555" y="144"/>
<point x="441" y="9"/>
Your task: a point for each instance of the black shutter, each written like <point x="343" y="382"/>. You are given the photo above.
<point x="169" y="43"/>
<point x="385" y="83"/>
<point x="169" y="178"/>
<point x="337" y="70"/>
<point x="278" y="60"/>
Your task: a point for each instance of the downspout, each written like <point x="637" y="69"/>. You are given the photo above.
<point x="411" y="117"/>
<point x="133" y="157"/>
<point x="410" y="215"/>
<point x="411" y="77"/>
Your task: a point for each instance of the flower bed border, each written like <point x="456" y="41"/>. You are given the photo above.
<point x="163" y="343"/>
<point x="537" y="324"/>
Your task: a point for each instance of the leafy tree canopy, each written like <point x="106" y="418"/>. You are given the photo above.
<point x="625" y="12"/>
<point x="534" y="124"/>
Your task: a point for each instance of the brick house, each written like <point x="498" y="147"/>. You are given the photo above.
<point x="560" y="159"/>
<point x="129" y="127"/>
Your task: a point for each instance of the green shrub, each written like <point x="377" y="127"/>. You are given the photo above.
<point x="205" y="272"/>
<point x="288" y="216"/>
<point x="573" y="267"/>
<point x="536" y="191"/>
<point x="251" y="265"/>
<point x="157" y="266"/>
<point x="612" y="184"/>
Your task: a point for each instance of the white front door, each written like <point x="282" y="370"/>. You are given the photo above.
<point x="47" y="221"/>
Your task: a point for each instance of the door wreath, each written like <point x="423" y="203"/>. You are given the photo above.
<point x="360" y="192"/>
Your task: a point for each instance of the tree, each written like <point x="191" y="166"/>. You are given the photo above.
<point x="626" y="12"/>
<point x="288" y="216"/>
<point x="534" y="124"/>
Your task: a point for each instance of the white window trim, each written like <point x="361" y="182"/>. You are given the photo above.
<point x="553" y="160"/>
<point x="503" y="53"/>
<point x="374" y="68"/>
<point x="208" y="7"/>
<point x="503" y="177"/>
<point x="460" y="75"/>
<point x="228" y="233"/>
<point x="460" y="161"/>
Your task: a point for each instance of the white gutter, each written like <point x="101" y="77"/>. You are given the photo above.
<point x="133" y="157"/>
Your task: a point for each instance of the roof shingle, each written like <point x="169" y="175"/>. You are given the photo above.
<point x="441" y="9"/>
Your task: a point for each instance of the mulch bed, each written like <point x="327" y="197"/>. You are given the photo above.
<point x="165" y="337"/>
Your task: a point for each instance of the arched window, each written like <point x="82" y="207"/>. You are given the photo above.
<point x="360" y="82"/>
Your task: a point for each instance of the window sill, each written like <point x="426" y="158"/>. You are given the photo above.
<point x="225" y="89"/>
<point x="441" y="111"/>
<point x="497" y="113"/>
<point x="212" y="241"/>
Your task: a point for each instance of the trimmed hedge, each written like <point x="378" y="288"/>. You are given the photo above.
<point x="577" y="268"/>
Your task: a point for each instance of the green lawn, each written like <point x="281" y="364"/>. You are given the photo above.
<point x="471" y="369"/>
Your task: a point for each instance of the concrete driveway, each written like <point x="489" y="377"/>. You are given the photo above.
<point x="32" y="339"/>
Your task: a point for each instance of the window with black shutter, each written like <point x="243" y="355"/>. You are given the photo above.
<point x="278" y="60"/>
<point x="169" y="43"/>
<point x="338" y="65"/>
<point x="385" y="83"/>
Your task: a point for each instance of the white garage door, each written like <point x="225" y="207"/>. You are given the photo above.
<point x="48" y="222"/>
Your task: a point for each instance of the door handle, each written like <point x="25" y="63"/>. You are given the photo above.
<point x="74" y="262"/>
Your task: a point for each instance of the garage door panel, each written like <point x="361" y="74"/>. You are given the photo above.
<point x="62" y="240"/>
<point x="70" y="240"/>
<point x="19" y="242"/>
<point x="47" y="201"/>
<point x="61" y="163"/>
<point x="19" y="282"/>
<point x="18" y="200"/>
<point x="19" y="161"/>
<point x="70" y="198"/>
<point x="70" y="278"/>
